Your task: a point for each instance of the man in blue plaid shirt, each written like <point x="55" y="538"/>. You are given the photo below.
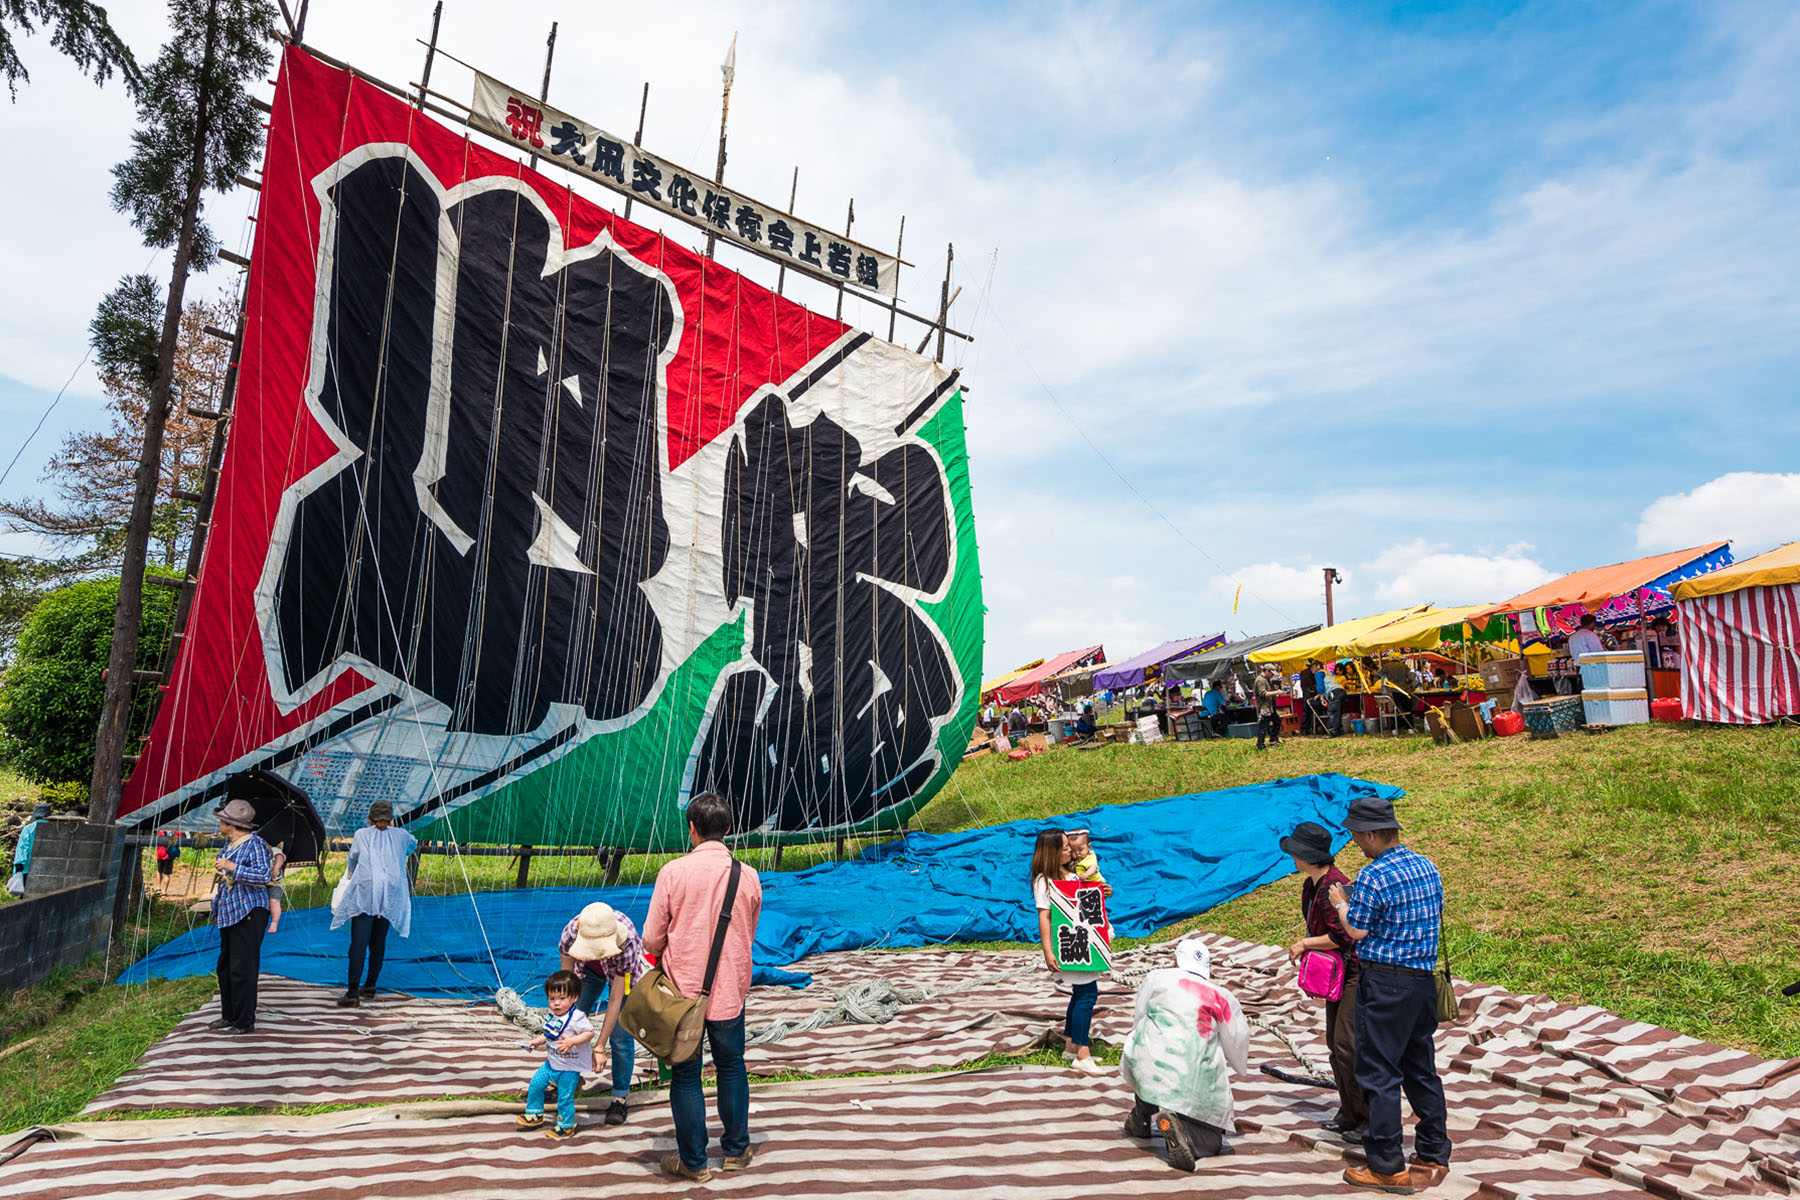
<point x="1394" y="915"/>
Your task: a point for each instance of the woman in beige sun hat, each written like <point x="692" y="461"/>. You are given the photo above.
<point x="601" y="946"/>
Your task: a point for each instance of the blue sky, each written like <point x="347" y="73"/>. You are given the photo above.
<point x="1453" y="297"/>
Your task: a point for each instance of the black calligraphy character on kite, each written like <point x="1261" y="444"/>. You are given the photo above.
<point x="839" y="720"/>
<point x="1072" y="945"/>
<point x="501" y="502"/>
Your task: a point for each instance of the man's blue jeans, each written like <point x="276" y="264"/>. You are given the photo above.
<point x="687" y="1102"/>
<point x="566" y="1082"/>
<point x="1079" y="1020"/>
<point x="622" y="1044"/>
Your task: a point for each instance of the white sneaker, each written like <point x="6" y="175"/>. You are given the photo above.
<point x="1088" y="1066"/>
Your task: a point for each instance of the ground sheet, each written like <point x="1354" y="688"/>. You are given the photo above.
<point x="1545" y="1100"/>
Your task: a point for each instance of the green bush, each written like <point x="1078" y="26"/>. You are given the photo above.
<point x="50" y="696"/>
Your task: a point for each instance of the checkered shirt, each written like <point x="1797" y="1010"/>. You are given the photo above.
<point x="248" y="888"/>
<point x="629" y="959"/>
<point x="1399" y="899"/>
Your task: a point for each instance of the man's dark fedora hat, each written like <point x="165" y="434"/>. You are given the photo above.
<point x="1368" y="813"/>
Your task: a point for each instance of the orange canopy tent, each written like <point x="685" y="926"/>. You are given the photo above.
<point x="1596" y="585"/>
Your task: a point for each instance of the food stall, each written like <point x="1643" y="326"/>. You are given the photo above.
<point x="1627" y="599"/>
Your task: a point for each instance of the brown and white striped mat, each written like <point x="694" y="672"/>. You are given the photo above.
<point x="1018" y="1133"/>
<point x="1545" y="1099"/>
<point x="306" y="1050"/>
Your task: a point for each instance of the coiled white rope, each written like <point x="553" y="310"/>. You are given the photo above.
<point x="872" y="1002"/>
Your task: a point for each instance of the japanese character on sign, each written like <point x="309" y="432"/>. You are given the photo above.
<point x="609" y="159"/>
<point x="1072" y="944"/>
<point x="868" y="270"/>
<point x="838" y="258"/>
<point x="717" y="209"/>
<point x="1089" y="908"/>
<point x="811" y="253"/>
<point x="749" y="223"/>
<point x="646" y="177"/>
<point x="525" y="121"/>
<point x="781" y="237"/>
<point x="682" y="194"/>
<point x="569" y="141"/>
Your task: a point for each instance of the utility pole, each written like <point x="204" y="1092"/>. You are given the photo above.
<point x="729" y="70"/>
<point x="1331" y="577"/>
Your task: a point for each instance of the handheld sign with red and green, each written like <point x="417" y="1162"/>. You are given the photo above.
<point x="1080" y="935"/>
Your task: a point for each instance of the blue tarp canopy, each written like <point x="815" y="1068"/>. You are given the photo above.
<point x="1166" y="859"/>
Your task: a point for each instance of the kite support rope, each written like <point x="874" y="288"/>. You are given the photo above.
<point x="872" y="1002"/>
<point x="512" y="1006"/>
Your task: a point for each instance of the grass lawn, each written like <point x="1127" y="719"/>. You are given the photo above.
<point x="1645" y="870"/>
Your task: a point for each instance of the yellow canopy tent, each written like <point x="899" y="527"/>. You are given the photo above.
<point x="1778" y="567"/>
<point x="1333" y="641"/>
<point x="1421" y="631"/>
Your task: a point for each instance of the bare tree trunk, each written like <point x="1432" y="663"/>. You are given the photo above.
<point x="115" y="708"/>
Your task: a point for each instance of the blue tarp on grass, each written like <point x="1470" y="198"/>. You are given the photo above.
<point x="1166" y="859"/>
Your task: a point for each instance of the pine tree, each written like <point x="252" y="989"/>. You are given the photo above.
<point x="78" y="28"/>
<point x="197" y="131"/>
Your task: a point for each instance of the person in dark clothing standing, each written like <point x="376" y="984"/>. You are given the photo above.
<point x="240" y="908"/>
<point x="1309" y="697"/>
<point x="1310" y="847"/>
<point x="1267" y="686"/>
<point x="1395" y="913"/>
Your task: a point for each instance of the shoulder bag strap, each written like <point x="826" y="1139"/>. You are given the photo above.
<point x="718" y="942"/>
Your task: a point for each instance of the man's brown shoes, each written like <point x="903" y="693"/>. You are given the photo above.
<point x="1400" y="1184"/>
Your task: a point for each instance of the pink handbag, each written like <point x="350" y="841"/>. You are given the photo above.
<point x="1322" y="974"/>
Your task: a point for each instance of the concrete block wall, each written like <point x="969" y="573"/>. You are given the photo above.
<point x="63" y="928"/>
<point x="67" y="851"/>
<point x="67" y="913"/>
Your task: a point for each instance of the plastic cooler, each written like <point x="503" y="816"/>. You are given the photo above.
<point x="1612" y="670"/>
<point x="1666" y="710"/>
<point x="1617" y="706"/>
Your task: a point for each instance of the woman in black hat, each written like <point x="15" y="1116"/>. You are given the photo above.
<point x="240" y="906"/>
<point x="1310" y="846"/>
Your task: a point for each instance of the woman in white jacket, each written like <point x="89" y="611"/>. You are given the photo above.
<point x="1186" y="1039"/>
<point x="376" y="895"/>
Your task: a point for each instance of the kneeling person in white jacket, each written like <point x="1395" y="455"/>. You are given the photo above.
<point x="1187" y="1037"/>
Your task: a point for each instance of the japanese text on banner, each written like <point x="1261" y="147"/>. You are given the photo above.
<point x="613" y="161"/>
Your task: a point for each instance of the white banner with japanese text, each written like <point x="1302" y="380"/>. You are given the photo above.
<point x="511" y="114"/>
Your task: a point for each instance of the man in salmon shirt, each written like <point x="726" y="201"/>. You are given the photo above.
<point x="684" y="913"/>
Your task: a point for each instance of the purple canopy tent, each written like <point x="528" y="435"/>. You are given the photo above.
<point x="1133" y="672"/>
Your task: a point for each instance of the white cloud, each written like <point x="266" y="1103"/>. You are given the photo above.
<point x="1422" y="573"/>
<point x="1415" y="572"/>
<point x="1756" y="510"/>
<point x="1291" y="589"/>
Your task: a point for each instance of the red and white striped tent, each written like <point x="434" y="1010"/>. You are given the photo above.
<point x="1740" y="640"/>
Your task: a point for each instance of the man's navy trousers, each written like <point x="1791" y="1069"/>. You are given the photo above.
<point x="1396" y="1014"/>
